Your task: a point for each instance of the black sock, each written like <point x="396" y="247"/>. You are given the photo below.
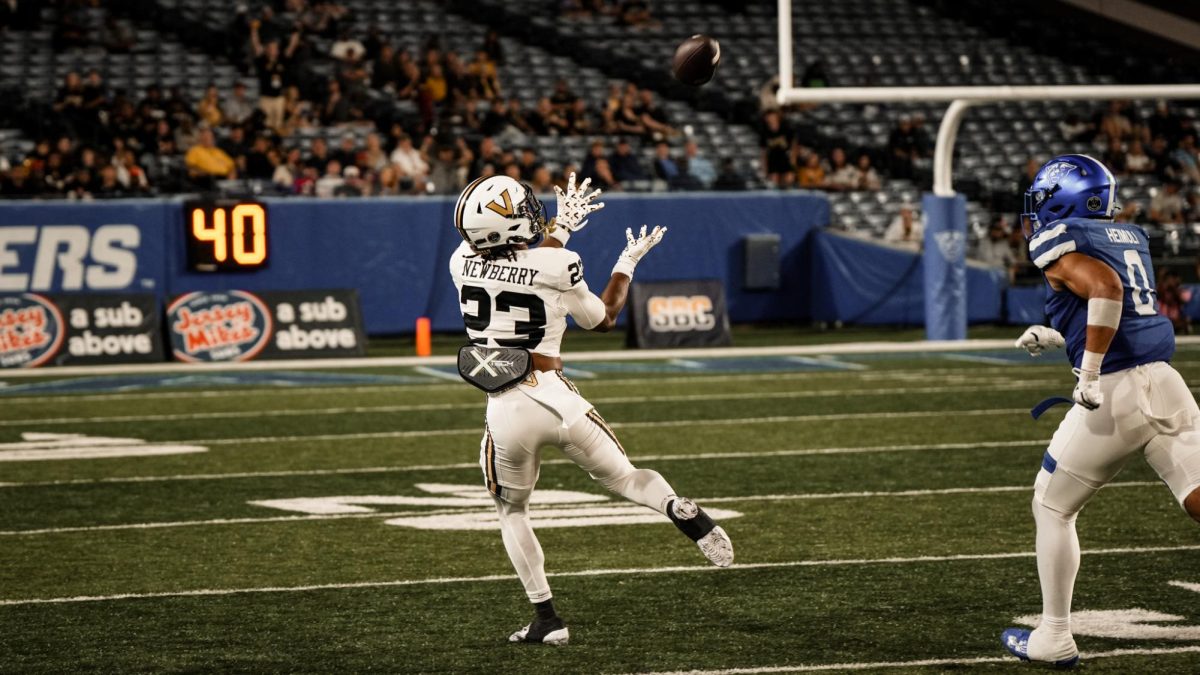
<point x="695" y="528"/>
<point x="545" y="609"/>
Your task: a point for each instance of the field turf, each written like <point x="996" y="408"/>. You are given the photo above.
<point x="881" y="522"/>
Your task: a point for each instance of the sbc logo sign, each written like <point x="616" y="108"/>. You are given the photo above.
<point x="680" y="313"/>
<point x="224" y="326"/>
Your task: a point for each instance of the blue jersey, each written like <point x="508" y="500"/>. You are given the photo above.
<point x="1143" y="336"/>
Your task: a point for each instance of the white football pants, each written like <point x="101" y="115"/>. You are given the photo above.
<point x="1146" y="409"/>
<point x="547" y="409"/>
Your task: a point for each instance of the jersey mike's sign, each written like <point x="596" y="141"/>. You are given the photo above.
<point x="678" y="314"/>
<point x="38" y="330"/>
<point x="240" y="325"/>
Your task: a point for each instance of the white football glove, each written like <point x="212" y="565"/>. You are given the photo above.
<point x="1087" y="389"/>
<point x="635" y="249"/>
<point x="574" y="206"/>
<point x="1037" y="339"/>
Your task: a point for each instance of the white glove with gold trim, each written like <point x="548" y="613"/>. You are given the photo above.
<point x="635" y="249"/>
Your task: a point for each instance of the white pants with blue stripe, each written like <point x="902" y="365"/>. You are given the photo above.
<point x="1147" y="409"/>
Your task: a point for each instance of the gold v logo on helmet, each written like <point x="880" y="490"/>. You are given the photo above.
<point x="505" y="209"/>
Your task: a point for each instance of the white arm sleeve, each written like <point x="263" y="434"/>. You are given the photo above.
<point x="584" y="306"/>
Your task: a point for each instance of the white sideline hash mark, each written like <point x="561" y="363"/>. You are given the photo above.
<point x="1123" y="624"/>
<point x="924" y="663"/>
<point x="748" y="498"/>
<point x="41" y="447"/>
<point x="582" y="573"/>
<point x="408" y="468"/>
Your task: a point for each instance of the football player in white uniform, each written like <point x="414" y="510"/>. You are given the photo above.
<point x="516" y="288"/>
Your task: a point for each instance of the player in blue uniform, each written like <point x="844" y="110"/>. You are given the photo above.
<point x="1102" y="306"/>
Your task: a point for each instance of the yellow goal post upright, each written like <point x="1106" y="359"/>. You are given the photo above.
<point x="946" y="211"/>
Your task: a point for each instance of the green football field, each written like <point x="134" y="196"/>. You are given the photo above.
<point x="335" y="521"/>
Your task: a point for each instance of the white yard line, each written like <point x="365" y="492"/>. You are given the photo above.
<point x="917" y="346"/>
<point x="714" y="500"/>
<point x="682" y="569"/>
<point x="924" y="663"/>
<point x="930" y="375"/>
<point x="475" y="465"/>
<point x="972" y="358"/>
<point x="985" y="385"/>
<point x="732" y="421"/>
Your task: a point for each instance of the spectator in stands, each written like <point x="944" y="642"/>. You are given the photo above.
<point x="995" y="250"/>
<point x="448" y="170"/>
<point x="297" y="113"/>
<point x="1160" y="154"/>
<point x="387" y="182"/>
<point x="811" y="174"/>
<point x="730" y="178"/>
<point x="69" y="101"/>
<point x="209" y="107"/>
<point x="635" y="14"/>
<point x="347" y="151"/>
<point x="1172" y="298"/>
<point x="628" y="119"/>
<point x="1165" y="122"/>
<point x="903" y="147"/>
<point x="665" y="168"/>
<point x="205" y="161"/>
<point x="777" y="150"/>
<point x="132" y="176"/>
<point x="654" y="119"/>
<point x="491" y="45"/>
<point x="546" y="120"/>
<point x="434" y="86"/>
<point x="563" y="97"/>
<point x="385" y="69"/>
<point x="868" y="179"/>
<point x="842" y="175"/>
<point x="489" y="154"/>
<point x="235" y="146"/>
<point x="1115" y="124"/>
<point x="289" y="170"/>
<point x="1114" y="156"/>
<point x="411" y="164"/>
<point x="319" y="154"/>
<point x="336" y="108"/>
<point x="1136" y="160"/>
<point x="408" y="82"/>
<point x="1075" y="129"/>
<point x="906" y="229"/>
<point x="1028" y="173"/>
<point x="1185" y="159"/>
<point x="541" y="181"/>
<point x="352" y="185"/>
<point x="699" y="167"/>
<point x="485" y="75"/>
<point x="108" y="187"/>
<point x="238" y="108"/>
<point x="1167" y="205"/>
<point x="596" y="167"/>
<point x="373" y="158"/>
<point x="625" y="164"/>
<point x="529" y="164"/>
<point x="496" y="121"/>
<point x="579" y="119"/>
<point x="272" y="68"/>
<point x="332" y="179"/>
<point x="258" y="164"/>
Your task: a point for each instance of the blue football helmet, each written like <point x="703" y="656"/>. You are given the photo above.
<point x="1070" y="185"/>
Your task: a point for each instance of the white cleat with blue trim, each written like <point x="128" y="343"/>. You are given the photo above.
<point x="1016" y="641"/>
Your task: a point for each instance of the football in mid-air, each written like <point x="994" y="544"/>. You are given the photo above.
<point x="696" y="60"/>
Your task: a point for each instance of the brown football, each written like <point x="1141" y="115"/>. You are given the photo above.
<point x="696" y="60"/>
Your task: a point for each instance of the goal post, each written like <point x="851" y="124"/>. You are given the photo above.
<point x="945" y="211"/>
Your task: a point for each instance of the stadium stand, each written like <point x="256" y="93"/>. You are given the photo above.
<point x="609" y="56"/>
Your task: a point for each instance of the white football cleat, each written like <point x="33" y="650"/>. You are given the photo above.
<point x="553" y="632"/>
<point x="694" y="522"/>
<point x="717" y="547"/>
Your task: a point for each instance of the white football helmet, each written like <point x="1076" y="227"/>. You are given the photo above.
<point x="499" y="211"/>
